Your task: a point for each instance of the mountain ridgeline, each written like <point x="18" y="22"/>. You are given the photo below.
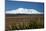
<point x="24" y="14"/>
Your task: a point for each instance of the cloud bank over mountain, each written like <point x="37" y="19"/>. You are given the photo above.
<point x="23" y="11"/>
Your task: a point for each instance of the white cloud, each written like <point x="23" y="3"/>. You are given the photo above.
<point x="23" y="11"/>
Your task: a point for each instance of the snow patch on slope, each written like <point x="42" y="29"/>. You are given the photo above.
<point x="23" y="11"/>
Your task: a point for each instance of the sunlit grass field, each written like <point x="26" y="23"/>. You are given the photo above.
<point x="20" y="22"/>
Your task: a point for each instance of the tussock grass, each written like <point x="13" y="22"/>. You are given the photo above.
<point x="26" y="25"/>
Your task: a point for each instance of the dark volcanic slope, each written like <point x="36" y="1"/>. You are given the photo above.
<point x="24" y="14"/>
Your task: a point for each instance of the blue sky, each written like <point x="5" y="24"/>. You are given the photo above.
<point x="12" y="5"/>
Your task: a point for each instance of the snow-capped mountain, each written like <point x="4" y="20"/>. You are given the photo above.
<point x="23" y="11"/>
